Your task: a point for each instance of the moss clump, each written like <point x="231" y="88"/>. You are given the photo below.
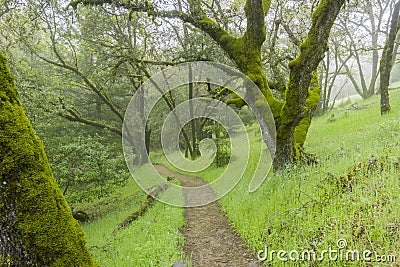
<point x="248" y="59"/>
<point x="37" y="227"/>
<point x="300" y="132"/>
<point x="235" y="100"/>
<point x="266" y="5"/>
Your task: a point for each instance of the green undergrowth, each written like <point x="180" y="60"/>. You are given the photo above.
<point x="127" y="198"/>
<point x="352" y="194"/>
<point x="157" y="157"/>
<point x="152" y="240"/>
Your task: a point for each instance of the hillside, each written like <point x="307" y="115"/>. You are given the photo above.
<point x="351" y="195"/>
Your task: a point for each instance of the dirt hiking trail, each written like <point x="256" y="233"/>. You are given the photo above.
<point x="209" y="239"/>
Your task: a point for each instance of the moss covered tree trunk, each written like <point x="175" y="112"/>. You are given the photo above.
<point x="386" y="63"/>
<point x="36" y="224"/>
<point x="300" y="132"/>
<point x="302" y="68"/>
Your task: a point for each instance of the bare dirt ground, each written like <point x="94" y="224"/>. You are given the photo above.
<point x="209" y="239"/>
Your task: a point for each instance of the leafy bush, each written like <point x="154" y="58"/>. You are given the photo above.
<point x="223" y="152"/>
<point x="85" y="168"/>
<point x="247" y="116"/>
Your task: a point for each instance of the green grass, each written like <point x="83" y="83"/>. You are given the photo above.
<point x="152" y="240"/>
<point x="300" y="208"/>
<point x="395" y="85"/>
<point x="128" y="197"/>
<point x="304" y="208"/>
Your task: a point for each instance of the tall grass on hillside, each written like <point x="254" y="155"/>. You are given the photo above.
<point x="152" y="240"/>
<point x="350" y="198"/>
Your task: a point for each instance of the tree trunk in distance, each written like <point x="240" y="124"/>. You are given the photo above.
<point x="386" y="63"/>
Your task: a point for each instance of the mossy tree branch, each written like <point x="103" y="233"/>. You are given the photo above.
<point x="136" y="7"/>
<point x="75" y="117"/>
<point x="88" y="82"/>
<point x="62" y="63"/>
<point x="144" y="207"/>
<point x="255" y="11"/>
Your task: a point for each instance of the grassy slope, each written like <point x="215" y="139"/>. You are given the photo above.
<point x="367" y="217"/>
<point x="302" y="207"/>
<point x="152" y="240"/>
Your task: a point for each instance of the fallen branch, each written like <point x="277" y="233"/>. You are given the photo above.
<point x="155" y="191"/>
<point x="309" y="204"/>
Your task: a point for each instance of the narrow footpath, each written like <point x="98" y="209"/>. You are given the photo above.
<point x="209" y="239"/>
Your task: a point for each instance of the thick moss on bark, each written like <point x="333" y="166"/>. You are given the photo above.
<point x="246" y="50"/>
<point x="36" y="224"/>
<point x="247" y="57"/>
<point x="300" y="132"/>
<point x="301" y="71"/>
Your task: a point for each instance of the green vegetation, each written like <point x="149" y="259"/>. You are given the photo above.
<point x="311" y="207"/>
<point x="29" y="193"/>
<point x="86" y="166"/>
<point x="302" y="208"/>
<point x="152" y="240"/>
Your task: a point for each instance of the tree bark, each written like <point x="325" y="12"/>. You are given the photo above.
<point x="386" y="63"/>
<point x="396" y="48"/>
<point x="312" y="51"/>
<point x="36" y="224"/>
<point x="193" y="124"/>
